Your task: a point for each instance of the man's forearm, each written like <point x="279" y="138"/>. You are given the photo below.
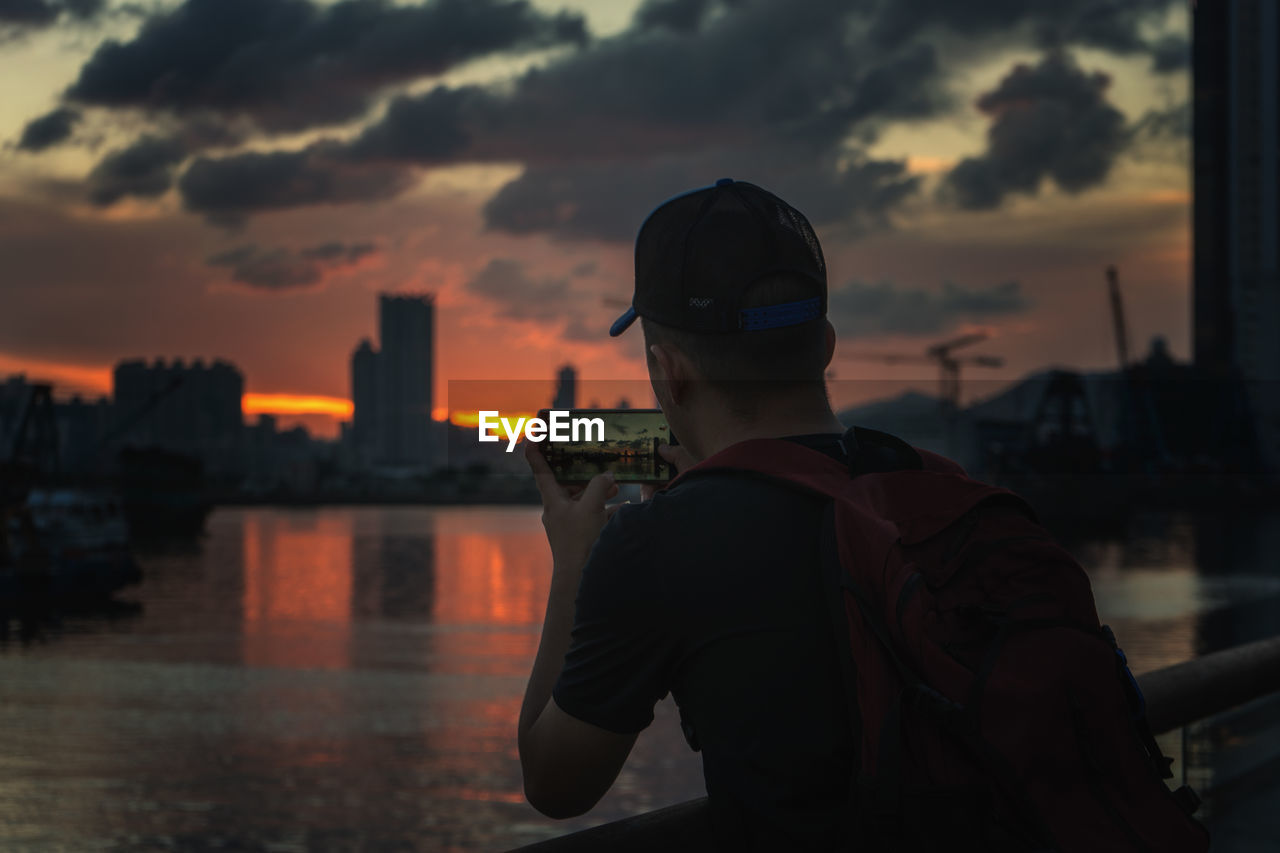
<point x="557" y="627"/>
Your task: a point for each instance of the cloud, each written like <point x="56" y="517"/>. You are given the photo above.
<point x="49" y="129"/>
<point x="602" y="131"/>
<point x="334" y="252"/>
<point x="552" y="300"/>
<point x="284" y="269"/>
<point x="1113" y="25"/>
<point x="859" y="309"/>
<point x="676" y="15"/>
<point x="1051" y="120"/>
<point x="608" y="200"/>
<point x="40" y="13"/>
<point x="423" y="130"/>
<point x="1171" y="53"/>
<point x="1171" y="123"/>
<point x="226" y="189"/>
<point x="143" y="169"/>
<point x="788" y="95"/>
<point x="293" y="64"/>
<point x="520" y="296"/>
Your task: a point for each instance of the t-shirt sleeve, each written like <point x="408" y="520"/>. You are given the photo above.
<point x="619" y="658"/>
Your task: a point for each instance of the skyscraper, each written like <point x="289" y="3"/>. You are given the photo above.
<point x="404" y="388"/>
<point x="1236" y="162"/>
<point x="192" y="409"/>
<point x="566" y="388"/>
<point x="364" y="434"/>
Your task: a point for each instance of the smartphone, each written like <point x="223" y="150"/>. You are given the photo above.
<point x="624" y="441"/>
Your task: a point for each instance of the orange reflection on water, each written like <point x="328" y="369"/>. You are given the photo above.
<point x="297" y="589"/>
<point x="493" y="569"/>
<point x="496" y="575"/>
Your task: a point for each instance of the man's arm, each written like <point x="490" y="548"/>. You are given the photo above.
<point x="568" y="764"/>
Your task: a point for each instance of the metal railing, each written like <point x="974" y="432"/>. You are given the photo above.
<point x="1176" y="696"/>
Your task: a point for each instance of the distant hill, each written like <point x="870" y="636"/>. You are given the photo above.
<point x="912" y="416"/>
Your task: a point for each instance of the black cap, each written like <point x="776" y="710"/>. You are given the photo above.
<point x="697" y="254"/>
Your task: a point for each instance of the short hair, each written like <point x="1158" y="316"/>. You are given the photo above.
<point x="747" y="366"/>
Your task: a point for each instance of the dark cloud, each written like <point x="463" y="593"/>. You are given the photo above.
<point x="790" y="95"/>
<point x="290" y="64"/>
<point x="426" y="129"/>
<point x="39" y="13"/>
<point x="858" y="309"/>
<point x="605" y="130"/>
<point x="285" y="269"/>
<point x="522" y="297"/>
<point x="677" y="15"/>
<point x="1114" y="25"/>
<point x="144" y="169"/>
<point x="1051" y="120"/>
<point x="28" y="12"/>
<point x="48" y="130"/>
<point x="1171" y="53"/>
<point x="334" y="252"/>
<point x="1166" y="123"/>
<point x="609" y="200"/>
<point x="226" y="189"/>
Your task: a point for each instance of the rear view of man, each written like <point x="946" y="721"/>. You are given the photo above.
<point x="713" y="590"/>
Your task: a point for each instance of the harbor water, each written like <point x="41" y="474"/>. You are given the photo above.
<point x="349" y="679"/>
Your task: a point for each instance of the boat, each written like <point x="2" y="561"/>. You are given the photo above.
<point x="68" y="543"/>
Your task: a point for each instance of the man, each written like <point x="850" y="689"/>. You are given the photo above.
<point x="710" y="589"/>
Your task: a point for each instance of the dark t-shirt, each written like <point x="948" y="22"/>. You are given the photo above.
<point x="711" y="591"/>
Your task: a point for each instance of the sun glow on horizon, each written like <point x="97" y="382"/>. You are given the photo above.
<point x="296" y="404"/>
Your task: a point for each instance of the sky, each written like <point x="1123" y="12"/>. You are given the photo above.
<point x="239" y="179"/>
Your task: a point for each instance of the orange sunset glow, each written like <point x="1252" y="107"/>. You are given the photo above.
<point x="523" y="233"/>
<point x="296" y="404"/>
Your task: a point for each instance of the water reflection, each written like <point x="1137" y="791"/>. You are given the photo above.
<point x="348" y="677"/>
<point x="297" y="590"/>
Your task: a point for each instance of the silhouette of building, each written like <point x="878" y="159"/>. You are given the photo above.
<point x="364" y="433"/>
<point x="392" y="388"/>
<point x="566" y="388"/>
<point x="1236" y="217"/>
<point x="407" y="331"/>
<point x="195" y="410"/>
<point x="83" y="426"/>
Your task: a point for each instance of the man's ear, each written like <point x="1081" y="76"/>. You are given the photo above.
<point x="669" y="369"/>
<point x="830" y="333"/>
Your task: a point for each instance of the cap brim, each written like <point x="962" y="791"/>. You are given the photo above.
<point x="624" y="322"/>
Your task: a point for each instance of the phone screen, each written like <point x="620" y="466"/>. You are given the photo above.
<point x="626" y="443"/>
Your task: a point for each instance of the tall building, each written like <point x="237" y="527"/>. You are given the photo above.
<point x="364" y="435"/>
<point x="407" y="331"/>
<point x="566" y="388"/>
<point x="192" y="409"/>
<point x="1236" y="218"/>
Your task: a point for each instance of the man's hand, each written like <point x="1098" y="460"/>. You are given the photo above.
<point x="573" y="519"/>
<point x="568" y="764"/>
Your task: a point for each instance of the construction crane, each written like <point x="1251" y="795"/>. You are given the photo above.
<point x="1142" y="419"/>
<point x="33" y="450"/>
<point x="948" y="364"/>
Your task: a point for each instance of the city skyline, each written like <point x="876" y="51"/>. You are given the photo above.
<point x="964" y="171"/>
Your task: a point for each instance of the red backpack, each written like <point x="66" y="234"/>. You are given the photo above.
<point x="994" y="711"/>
